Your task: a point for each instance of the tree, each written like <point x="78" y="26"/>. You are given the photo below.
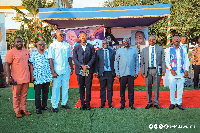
<point x="30" y="26"/>
<point x="185" y="18"/>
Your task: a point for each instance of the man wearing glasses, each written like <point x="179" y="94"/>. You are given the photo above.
<point x="59" y="54"/>
<point x="40" y="75"/>
<point x="105" y="72"/>
<point x="127" y="69"/>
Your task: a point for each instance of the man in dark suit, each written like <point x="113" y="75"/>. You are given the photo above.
<point x="84" y="58"/>
<point x="152" y="68"/>
<point x="105" y="72"/>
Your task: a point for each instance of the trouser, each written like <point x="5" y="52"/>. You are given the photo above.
<point x="123" y="82"/>
<point x="45" y="90"/>
<point x="172" y="86"/>
<point x="20" y="92"/>
<point x="85" y="81"/>
<point x="153" y="78"/>
<point x="63" y="80"/>
<point x="106" y="81"/>
<point x="196" y="75"/>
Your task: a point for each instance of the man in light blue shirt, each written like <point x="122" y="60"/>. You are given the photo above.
<point x="177" y="62"/>
<point x="59" y="54"/>
<point x="127" y="69"/>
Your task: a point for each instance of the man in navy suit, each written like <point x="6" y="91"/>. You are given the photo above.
<point x="84" y="58"/>
<point x="105" y="72"/>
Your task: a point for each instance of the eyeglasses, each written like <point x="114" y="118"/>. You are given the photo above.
<point x="125" y="40"/>
<point x="105" y="43"/>
<point x="41" y="44"/>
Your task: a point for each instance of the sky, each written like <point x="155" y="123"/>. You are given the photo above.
<point x="87" y="3"/>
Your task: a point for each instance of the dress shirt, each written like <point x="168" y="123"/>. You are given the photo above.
<point x="60" y="53"/>
<point x="83" y="47"/>
<point x="41" y="67"/>
<point x="126" y="62"/>
<point x="106" y="69"/>
<point x="150" y="51"/>
<point x="19" y="67"/>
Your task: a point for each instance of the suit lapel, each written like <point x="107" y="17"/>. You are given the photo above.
<point x="102" y="54"/>
<point x="147" y="52"/>
<point x="156" y="51"/>
<point x="81" y="49"/>
<point x="110" y="55"/>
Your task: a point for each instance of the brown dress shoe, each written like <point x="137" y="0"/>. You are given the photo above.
<point x="18" y="114"/>
<point x="25" y="112"/>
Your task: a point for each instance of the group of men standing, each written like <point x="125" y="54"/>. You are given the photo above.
<point x="56" y="65"/>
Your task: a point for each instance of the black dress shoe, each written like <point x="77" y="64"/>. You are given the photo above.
<point x="55" y="110"/>
<point x="88" y="108"/>
<point x="132" y="107"/>
<point x="149" y="106"/>
<point x="122" y="106"/>
<point x="46" y="108"/>
<point x="83" y="107"/>
<point x="172" y="106"/>
<point x="66" y="106"/>
<point x="38" y="111"/>
<point x="102" y="105"/>
<point x="180" y="107"/>
<point x="111" y="106"/>
<point x="196" y="87"/>
<point x="157" y="106"/>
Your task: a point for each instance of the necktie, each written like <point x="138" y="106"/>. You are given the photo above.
<point x="152" y="57"/>
<point x="106" y="59"/>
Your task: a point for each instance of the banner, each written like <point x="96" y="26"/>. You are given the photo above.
<point x="3" y="44"/>
<point x="95" y="35"/>
<point x="137" y="36"/>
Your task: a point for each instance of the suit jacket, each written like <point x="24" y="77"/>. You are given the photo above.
<point x="100" y="61"/>
<point x="1" y="65"/>
<point x="82" y="57"/>
<point x="160" y="60"/>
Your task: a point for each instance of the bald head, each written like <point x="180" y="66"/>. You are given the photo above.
<point x="83" y="38"/>
<point x="152" y="40"/>
<point x="176" y="41"/>
<point x="59" y="36"/>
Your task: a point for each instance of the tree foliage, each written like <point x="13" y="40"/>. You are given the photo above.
<point x="185" y="18"/>
<point x="29" y="29"/>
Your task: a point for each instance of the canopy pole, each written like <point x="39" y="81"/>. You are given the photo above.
<point x="168" y="32"/>
<point x="40" y="30"/>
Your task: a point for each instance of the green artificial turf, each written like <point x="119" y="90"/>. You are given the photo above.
<point x="95" y="120"/>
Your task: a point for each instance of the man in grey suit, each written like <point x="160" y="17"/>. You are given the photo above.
<point x="105" y="72"/>
<point x="127" y="69"/>
<point x="152" y="68"/>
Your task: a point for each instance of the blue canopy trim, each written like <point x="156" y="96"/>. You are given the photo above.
<point x="107" y="16"/>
